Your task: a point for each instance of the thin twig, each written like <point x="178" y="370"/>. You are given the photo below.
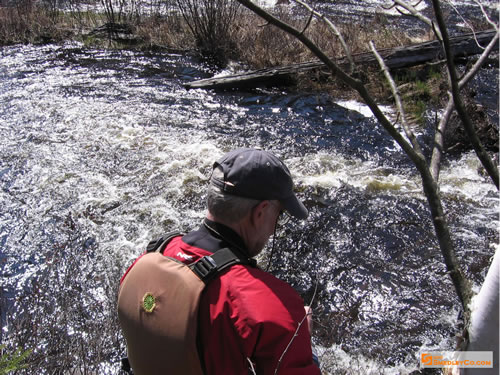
<point x="439" y="136"/>
<point x="396" y="120"/>
<point x="488" y="19"/>
<point x="490" y="167"/>
<point x="457" y="12"/>
<point x="296" y="333"/>
<point x="251" y="368"/>
<point x="315" y="291"/>
<point x="413" y="10"/>
<point x="346" y="49"/>
<point x="397" y="97"/>
<point x="308" y="23"/>
<point x="475" y="68"/>
<point x="467" y="23"/>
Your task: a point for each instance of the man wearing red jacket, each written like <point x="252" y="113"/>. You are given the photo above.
<point x="248" y="319"/>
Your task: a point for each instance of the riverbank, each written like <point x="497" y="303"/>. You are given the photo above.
<point x="239" y="41"/>
<point x="248" y="40"/>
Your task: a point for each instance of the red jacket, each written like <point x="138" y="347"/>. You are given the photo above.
<point x="246" y="313"/>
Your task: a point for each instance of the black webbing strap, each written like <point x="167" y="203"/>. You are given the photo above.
<point x="210" y="265"/>
<point x="161" y="243"/>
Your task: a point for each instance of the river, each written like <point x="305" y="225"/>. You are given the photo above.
<point x="103" y="150"/>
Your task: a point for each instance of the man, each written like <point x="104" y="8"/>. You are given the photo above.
<point x="247" y="318"/>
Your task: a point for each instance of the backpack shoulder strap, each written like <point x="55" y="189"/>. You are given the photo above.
<point x="161" y="243"/>
<point x="210" y="265"/>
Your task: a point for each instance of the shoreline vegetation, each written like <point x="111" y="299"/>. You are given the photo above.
<point x="167" y="26"/>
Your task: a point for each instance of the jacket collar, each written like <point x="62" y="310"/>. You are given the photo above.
<point x="212" y="236"/>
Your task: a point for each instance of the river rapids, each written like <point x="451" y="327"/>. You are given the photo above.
<point x="102" y="151"/>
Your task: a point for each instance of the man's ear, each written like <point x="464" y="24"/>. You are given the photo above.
<point x="258" y="212"/>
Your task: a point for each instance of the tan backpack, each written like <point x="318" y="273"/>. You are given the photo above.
<point x="158" y="309"/>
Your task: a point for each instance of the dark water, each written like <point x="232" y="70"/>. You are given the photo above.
<point x="103" y="150"/>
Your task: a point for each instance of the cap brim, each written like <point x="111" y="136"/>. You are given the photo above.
<point x="295" y="207"/>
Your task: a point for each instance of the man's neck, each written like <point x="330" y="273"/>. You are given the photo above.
<point x="226" y="233"/>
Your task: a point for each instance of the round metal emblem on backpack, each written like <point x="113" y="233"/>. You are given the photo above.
<point x="148" y="302"/>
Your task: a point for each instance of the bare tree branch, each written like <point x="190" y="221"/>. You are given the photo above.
<point x="397" y="97"/>
<point x="468" y="24"/>
<point x="438" y="148"/>
<point x="346" y="49"/>
<point x="251" y="368"/>
<point x="308" y="23"/>
<point x="429" y="184"/>
<point x="296" y="331"/>
<point x="438" y="138"/>
<point x="346" y="78"/>
<point x="481" y="153"/>
<point x="410" y="8"/>
<point x="431" y="191"/>
<point x="492" y="23"/>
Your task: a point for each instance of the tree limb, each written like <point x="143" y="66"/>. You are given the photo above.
<point x="429" y="184"/>
<point x="296" y="333"/>
<point x="492" y="23"/>
<point x="438" y="138"/>
<point x="397" y="97"/>
<point x="347" y="50"/>
<point x="438" y="148"/>
<point x="431" y="190"/>
<point x="481" y="153"/>
<point x="410" y="8"/>
<point x="349" y="80"/>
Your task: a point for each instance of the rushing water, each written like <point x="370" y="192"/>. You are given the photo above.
<point x="110" y="144"/>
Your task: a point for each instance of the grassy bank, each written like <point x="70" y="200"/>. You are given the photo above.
<point x="237" y="36"/>
<point x="245" y="37"/>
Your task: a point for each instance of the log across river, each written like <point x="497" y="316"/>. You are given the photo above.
<point x="395" y="58"/>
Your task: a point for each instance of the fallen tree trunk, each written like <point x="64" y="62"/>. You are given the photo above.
<point x="395" y="58"/>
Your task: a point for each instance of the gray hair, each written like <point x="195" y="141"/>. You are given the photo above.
<point x="226" y="207"/>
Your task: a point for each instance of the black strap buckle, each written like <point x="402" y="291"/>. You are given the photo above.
<point x="205" y="267"/>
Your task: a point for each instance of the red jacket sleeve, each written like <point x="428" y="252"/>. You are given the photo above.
<point x="248" y="313"/>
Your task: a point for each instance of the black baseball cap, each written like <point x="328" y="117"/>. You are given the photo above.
<point x="258" y="174"/>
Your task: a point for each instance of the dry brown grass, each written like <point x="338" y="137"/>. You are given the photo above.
<point x="263" y="45"/>
<point x="29" y="23"/>
<point x="171" y="33"/>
